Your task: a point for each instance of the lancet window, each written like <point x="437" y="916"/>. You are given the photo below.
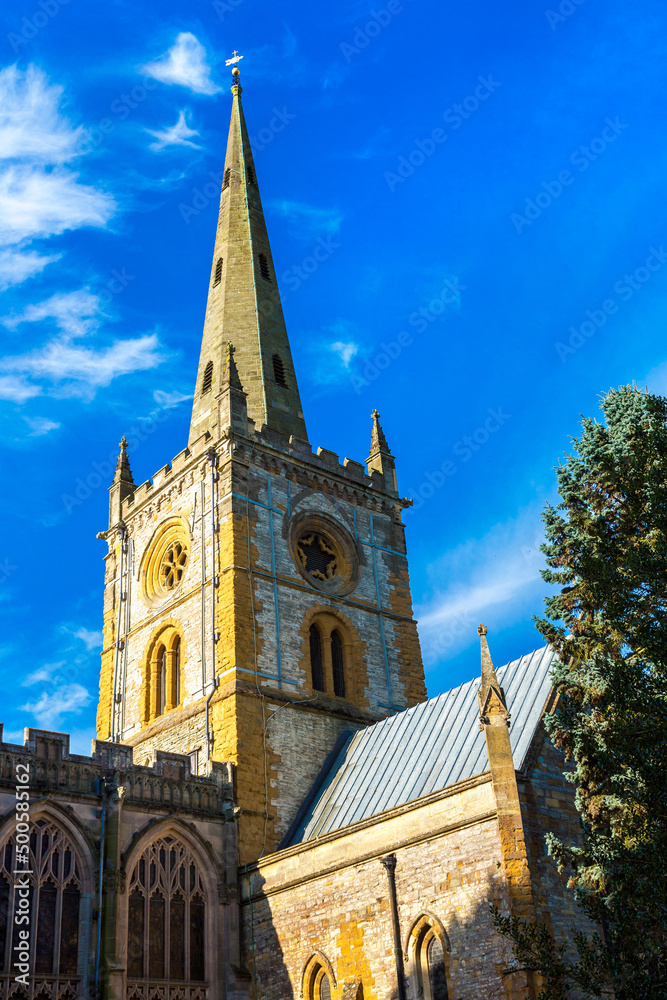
<point x="167" y="916"/>
<point x="317" y="673"/>
<point x="164" y="674"/>
<point x="318" y="983"/>
<point x="337" y="664"/>
<point x="330" y="652"/>
<point x="431" y="966"/>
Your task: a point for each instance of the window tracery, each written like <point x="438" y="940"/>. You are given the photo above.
<point x="167" y="916"/>
<point x="55" y="904"/>
<point x="317" y="556"/>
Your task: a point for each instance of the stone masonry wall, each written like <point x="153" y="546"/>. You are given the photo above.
<point x="330" y="896"/>
<point x="547" y="803"/>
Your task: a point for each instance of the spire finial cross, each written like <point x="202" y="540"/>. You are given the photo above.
<point x="375" y="415"/>
<point x="234" y="61"/>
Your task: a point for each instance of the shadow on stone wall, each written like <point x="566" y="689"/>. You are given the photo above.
<point x="477" y="957"/>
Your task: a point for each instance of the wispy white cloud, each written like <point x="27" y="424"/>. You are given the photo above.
<point x="493" y="578"/>
<point x="92" y="640"/>
<point x="15" y="389"/>
<point x="375" y="145"/>
<point x="52" y="706"/>
<point x="43" y="674"/>
<point x="59" y="698"/>
<point x="17" y="267"/>
<point x="74" y="313"/>
<point x="332" y="350"/>
<point x="31" y="125"/>
<point x="66" y="369"/>
<point x="41" y="425"/>
<point x="35" y="202"/>
<point x="61" y="367"/>
<point x="179" y="134"/>
<point x="39" y="195"/>
<point x="308" y="221"/>
<point x="168" y="399"/>
<point x="184" y="64"/>
<point x="345" y="351"/>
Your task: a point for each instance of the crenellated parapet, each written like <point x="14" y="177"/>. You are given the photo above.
<point x="167" y="782"/>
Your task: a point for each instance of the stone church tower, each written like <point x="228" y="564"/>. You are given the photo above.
<point x="257" y="599"/>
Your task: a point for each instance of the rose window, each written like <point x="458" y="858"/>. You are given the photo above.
<point x="317" y="556"/>
<point x="173" y="566"/>
<point x="165" y="562"/>
<point x="324" y="552"/>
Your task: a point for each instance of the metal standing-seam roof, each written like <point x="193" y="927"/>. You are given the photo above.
<point x="421" y="750"/>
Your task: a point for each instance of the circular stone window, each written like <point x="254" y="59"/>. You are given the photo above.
<point x="324" y="553"/>
<point x="166" y="561"/>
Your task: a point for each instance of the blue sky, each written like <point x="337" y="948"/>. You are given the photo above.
<point x="489" y="183"/>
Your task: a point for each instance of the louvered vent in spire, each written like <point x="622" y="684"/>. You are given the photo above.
<point x="207" y="380"/>
<point x="279" y="371"/>
<point x="251" y="176"/>
<point x="225" y="183"/>
<point x="218" y="272"/>
<point x="264" y="267"/>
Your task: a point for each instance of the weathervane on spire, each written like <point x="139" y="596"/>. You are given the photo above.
<point x="236" y="58"/>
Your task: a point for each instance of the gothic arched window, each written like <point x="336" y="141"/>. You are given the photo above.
<point x="163" y="685"/>
<point x="430" y="964"/>
<point x="337" y="664"/>
<point x="167" y="916"/>
<point x="54" y="902"/>
<point x="318" y="983"/>
<point x="316" y="671"/>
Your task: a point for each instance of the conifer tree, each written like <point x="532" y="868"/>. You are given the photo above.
<point x="606" y="549"/>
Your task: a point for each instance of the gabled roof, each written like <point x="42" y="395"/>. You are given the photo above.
<point x="424" y="749"/>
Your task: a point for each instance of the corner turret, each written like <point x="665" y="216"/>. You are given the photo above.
<point x="380" y="458"/>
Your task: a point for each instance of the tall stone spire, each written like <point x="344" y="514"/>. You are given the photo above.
<point x="380" y="459"/>
<point x="244" y="304"/>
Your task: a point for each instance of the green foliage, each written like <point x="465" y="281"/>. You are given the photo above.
<point x="536" y="950"/>
<point x="606" y="549"/>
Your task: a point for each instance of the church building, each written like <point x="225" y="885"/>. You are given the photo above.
<point x="273" y="809"/>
